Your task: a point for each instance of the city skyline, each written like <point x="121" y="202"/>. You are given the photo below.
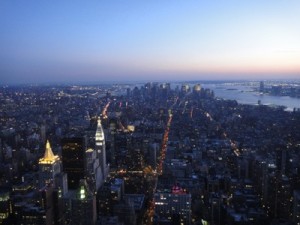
<point x="72" y="41"/>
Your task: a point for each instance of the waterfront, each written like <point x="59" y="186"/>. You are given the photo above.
<point x="245" y="94"/>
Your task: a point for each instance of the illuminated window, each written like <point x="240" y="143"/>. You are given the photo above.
<point x="82" y="193"/>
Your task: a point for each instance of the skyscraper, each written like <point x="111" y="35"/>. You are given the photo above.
<point x="94" y="173"/>
<point x="73" y="159"/>
<point x="100" y="148"/>
<point x="261" y="87"/>
<point x="49" y="167"/>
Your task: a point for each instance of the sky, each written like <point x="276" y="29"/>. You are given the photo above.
<point x="148" y="40"/>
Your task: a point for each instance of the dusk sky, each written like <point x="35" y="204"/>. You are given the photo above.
<point x="114" y="40"/>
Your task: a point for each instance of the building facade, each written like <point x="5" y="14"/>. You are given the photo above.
<point x="49" y="167"/>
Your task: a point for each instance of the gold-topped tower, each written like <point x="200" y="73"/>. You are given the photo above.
<point x="49" y="157"/>
<point x="49" y="166"/>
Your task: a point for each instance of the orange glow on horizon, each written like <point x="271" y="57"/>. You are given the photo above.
<point x="249" y="69"/>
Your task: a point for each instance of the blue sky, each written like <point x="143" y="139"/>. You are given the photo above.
<point x="118" y="40"/>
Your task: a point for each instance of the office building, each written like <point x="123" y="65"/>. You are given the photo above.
<point x="173" y="207"/>
<point x="49" y="167"/>
<point x="94" y="173"/>
<point x="101" y="149"/>
<point x="73" y="159"/>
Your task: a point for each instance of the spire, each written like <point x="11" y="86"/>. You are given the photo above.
<point x="99" y="122"/>
<point x="48" y="155"/>
<point x="48" y="152"/>
<point x="99" y="131"/>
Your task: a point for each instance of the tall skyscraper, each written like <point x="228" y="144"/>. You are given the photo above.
<point x="100" y="148"/>
<point x="197" y="88"/>
<point x="49" y="167"/>
<point x="185" y="88"/>
<point x="94" y="173"/>
<point x="73" y="159"/>
<point x="112" y="139"/>
<point x="281" y="159"/>
<point x="261" y="87"/>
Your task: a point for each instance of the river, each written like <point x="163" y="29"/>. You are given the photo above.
<point x="247" y="95"/>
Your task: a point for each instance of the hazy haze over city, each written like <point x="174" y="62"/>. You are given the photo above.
<point x="102" y="41"/>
